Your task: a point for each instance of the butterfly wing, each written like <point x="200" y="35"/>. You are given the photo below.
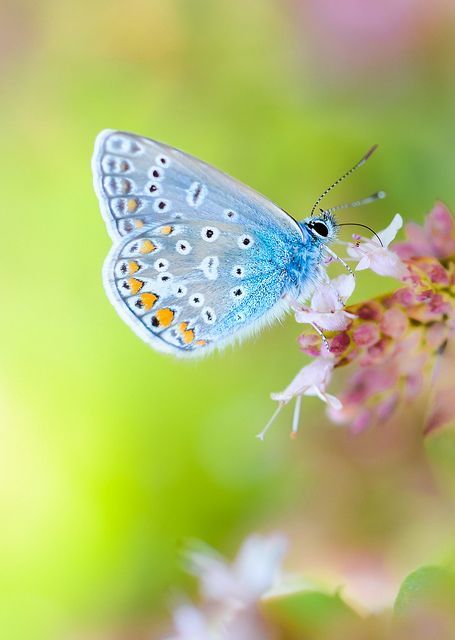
<point x="199" y="259"/>
<point x="138" y="180"/>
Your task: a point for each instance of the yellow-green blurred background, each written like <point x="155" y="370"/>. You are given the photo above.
<point x="111" y="455"/>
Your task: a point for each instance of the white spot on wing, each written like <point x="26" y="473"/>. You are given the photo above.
<point x="245" y="241"/>
<point x="161" y="205"/>
<point x="196" y="194"/>
<point x="208" y="315"/>
<point x="231" y="215"/>
<point x="163" y="160"/>
<point x="210" y="234"/>
<point x="210" y="266"/>
<point x="161" y="264"/>
<point x="156" y="173"/>
<point x="196" y="300"/>
<point x="238" y="271"/>
<point x="183" y="247"/>
<point x="237" y="293"/>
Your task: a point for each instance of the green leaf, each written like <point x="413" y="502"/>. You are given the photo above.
<point x="309" y="612"/>
<point x="428" y="587"/>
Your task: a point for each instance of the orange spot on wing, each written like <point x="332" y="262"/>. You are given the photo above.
<point x="201" y="343"/>
<point x="148" y="300"/>
<point x="135" y="285"/>
<point x="167" y="230"/>
<point x="138" y="223"/>
<point x="147" y="247"/>
<point x="133" y="266"/>
<point x="165" y="316"/>
<point x="187" y="334"/>
<point x="132" y="205"/>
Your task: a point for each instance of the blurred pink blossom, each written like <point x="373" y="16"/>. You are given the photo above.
<point x="436" y="238"/>
<point x="393" y="343"/>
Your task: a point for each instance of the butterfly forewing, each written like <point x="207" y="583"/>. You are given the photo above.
<point x="200" y="258"/>
<point x="139" y="180"/>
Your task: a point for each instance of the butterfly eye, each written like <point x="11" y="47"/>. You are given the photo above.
<point x="320" y="228"/>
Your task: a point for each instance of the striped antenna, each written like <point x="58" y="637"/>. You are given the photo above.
<point x="379" y="195"/>
<point x="343" y="177"/>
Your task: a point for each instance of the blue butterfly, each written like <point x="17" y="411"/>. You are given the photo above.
<point x="199" y="259"/>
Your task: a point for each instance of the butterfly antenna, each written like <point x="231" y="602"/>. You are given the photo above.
<point x="343" y="177"/>
<point x="379" y="195"/>
<point x="365" y="226"/>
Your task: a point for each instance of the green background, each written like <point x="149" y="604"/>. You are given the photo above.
<point x="112" y="455"/>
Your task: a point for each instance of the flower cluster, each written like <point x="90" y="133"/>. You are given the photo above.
<point x="392" y="343"/>
<point x="231" y="593"/>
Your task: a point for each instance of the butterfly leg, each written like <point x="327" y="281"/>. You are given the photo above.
<point x="321" y="334"/>
<point x="340" y="260"/>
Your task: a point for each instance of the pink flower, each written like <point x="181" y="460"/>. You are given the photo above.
<point x="326" y="308"/>
<point x="371" y="255"/>
<point x="435" y="239"/>
<point x="247" y="579"/>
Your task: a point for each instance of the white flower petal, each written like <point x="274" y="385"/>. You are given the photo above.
<point x="388" y="234"/>
<point x="364" y="263"/>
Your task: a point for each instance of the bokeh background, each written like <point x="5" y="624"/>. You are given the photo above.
<point x="111" y="455"/>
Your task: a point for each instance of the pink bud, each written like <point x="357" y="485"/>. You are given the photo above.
<point x="394" y="322"/>
<point x="366" y="334"/>
<point x="339" y="343"/>
<point x="371" y="310"/>
<point x="310" y="344"/>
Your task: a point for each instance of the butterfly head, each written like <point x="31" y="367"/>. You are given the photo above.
<point x="321" y="229"/>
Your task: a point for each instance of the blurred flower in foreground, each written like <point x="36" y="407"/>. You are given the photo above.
<point x="246" y="600"/>
<point x="231" y="592"/>
<point x="392" y="342"/>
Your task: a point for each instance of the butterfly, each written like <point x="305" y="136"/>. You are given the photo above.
<point x="198" y="258"/>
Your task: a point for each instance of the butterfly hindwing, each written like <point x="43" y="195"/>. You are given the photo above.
<point x="199" y="259"/>
<point x="183" y="294"/>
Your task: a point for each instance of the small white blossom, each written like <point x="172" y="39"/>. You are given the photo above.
<point x="371" y="255"/>
<point x="326" y="308"/>
<point x="312" y="380"/>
